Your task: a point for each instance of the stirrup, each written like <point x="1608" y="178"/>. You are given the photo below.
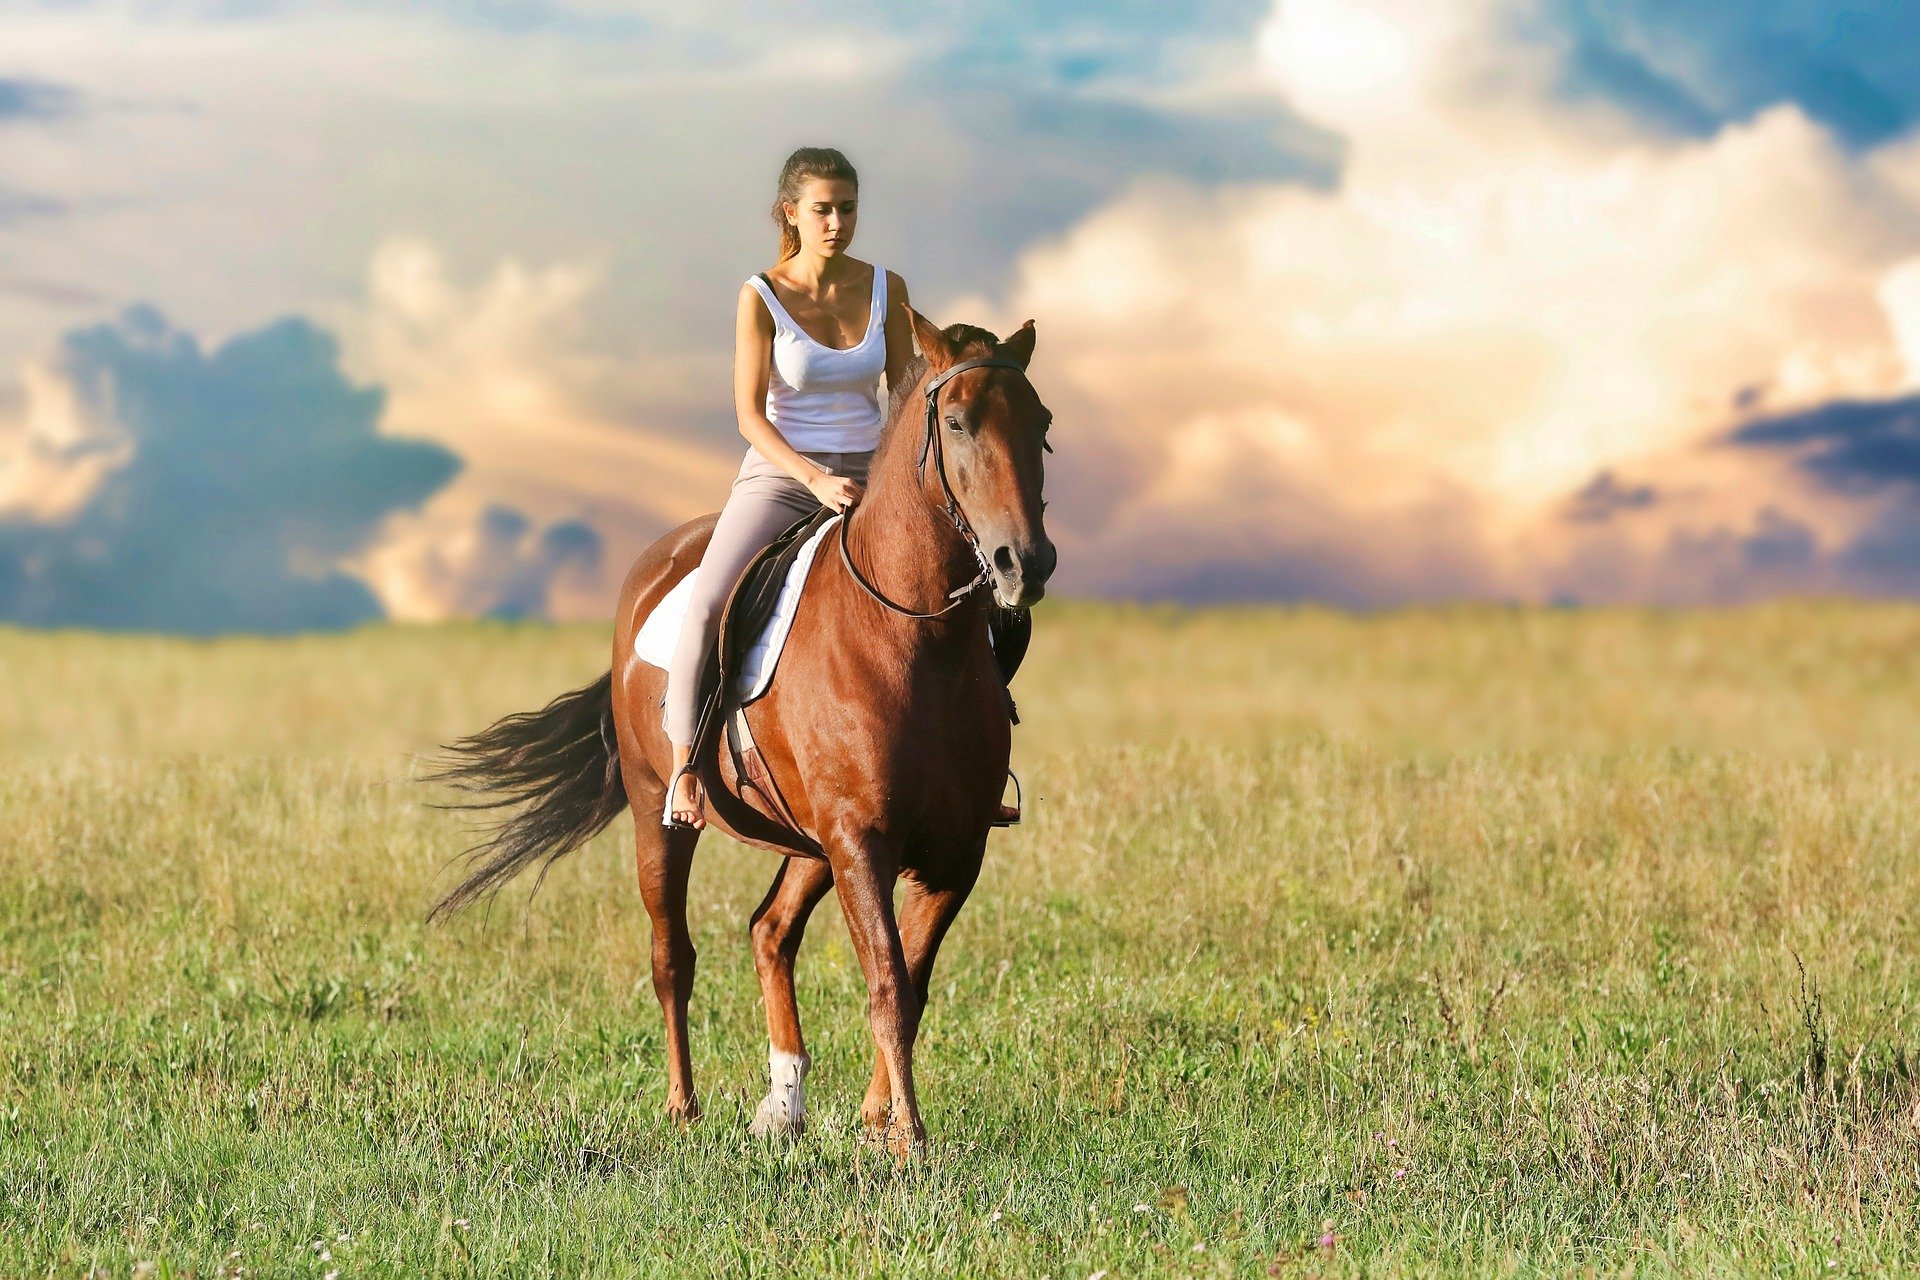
<point x="666" y="814"/>
<point x="1008" y="815"/>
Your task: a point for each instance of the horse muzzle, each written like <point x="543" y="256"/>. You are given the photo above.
<point x="1020" y="573"/>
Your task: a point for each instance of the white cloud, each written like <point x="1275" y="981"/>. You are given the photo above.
<point x="1504" y="294"/>
<point x="504" y="374"/>
<point x="55" y="454"/>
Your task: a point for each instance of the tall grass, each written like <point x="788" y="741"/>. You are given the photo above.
<point x="1476" y="940"/>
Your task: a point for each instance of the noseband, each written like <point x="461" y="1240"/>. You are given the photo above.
<point x="931" y="445"/>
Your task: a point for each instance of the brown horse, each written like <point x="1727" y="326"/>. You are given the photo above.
<point x="886" y="728"/>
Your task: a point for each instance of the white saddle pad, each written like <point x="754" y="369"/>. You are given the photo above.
<point x="661" y="631"/>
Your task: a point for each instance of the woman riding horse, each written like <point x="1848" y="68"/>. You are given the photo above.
<point x="886" y="730"/>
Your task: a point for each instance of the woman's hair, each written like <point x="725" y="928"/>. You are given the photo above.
<point x="802" y="166"/>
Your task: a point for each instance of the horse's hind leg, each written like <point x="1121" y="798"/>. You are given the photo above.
<point x="664" y="857"/>
<point x="925" y="916"/>
<point x="777" y="927"/>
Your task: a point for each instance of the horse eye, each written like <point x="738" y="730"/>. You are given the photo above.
<point x="953" y="423"/>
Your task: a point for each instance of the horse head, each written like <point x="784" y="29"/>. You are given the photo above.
<point x="985" y="432"/>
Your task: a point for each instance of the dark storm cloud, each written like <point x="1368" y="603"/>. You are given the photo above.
<point x="1855" y="67"/>
<point x="1865" y="449"/>
<point x="1851" y="446"/>
<point x="1604" y="497"/>
<point x="240" y="478"/>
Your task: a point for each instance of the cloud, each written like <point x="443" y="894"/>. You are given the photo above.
<point x="1854" y="446"/>
<point x="51" y="293"/>
<point x="1507" y="294"/>
<point x="1605" y="496"/>
<point x="1360" y="299"/>
<point x="502" y="372"/>
<point x="153" y="485"/>
<point x="22" y="101"/>
<point x="35" y="100"/>
<point x="646" y="134"/>
<point x="17" y="207"/>
<point x="498" y="567"/>
<point x="1867" y="451"/>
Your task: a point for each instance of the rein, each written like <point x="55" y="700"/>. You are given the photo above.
<point x="931" y="444"/>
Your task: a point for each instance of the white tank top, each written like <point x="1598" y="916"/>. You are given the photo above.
<point x="823" y="399"/>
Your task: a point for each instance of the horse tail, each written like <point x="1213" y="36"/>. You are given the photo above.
<point x="561" y="762"/>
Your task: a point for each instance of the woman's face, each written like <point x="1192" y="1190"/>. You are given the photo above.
<point x="824" y="215"/>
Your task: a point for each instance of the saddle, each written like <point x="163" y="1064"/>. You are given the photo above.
<point x="750" y="605"/>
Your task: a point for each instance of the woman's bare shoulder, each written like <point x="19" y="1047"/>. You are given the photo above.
<point x="752" y="304"/>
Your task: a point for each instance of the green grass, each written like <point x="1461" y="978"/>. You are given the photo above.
<point x="1479" y="940"/>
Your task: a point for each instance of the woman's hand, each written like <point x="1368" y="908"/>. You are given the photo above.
<point x="836" y="492"/>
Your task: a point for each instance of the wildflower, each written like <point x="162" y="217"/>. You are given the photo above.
<point x="1143" y="1208"/>
<point x="1399" y="1173"/>
<point x="1199" y="1248"/>
<point x="994" y="1216"/>
<point x="1098" y="1275"/>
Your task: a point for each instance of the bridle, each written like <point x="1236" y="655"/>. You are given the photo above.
<point x="931" y="445"/>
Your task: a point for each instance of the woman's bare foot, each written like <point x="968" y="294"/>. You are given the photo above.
<point x="686" y="807"/>
<point x="689" y="806"/>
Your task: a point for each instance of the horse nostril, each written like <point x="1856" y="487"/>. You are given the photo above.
<point x="1003" y="560"/>
<point x="1037" y="565"/>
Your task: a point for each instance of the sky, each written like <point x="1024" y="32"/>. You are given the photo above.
<point x="314" y="313"/>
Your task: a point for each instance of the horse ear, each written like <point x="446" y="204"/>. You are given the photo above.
<point x="932" y="342"/>
<point x="1020" y="346"/>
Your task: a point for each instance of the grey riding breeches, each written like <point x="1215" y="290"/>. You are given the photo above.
<point x="764" y="500"/>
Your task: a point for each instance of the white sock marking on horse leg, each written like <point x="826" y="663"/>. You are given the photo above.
<point x="784" y="1109"/>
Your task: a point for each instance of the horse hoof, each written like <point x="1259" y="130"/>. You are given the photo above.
<point x="773" y="1120"/>
<point x="905" y="1143"/>
<point x="683" y="1113"/>
<point x="906" y="1147"/>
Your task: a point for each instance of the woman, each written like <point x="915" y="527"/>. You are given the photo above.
<point x="811" y="339"/>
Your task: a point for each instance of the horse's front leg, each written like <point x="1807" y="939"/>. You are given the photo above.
<point x="864" y="869"/>
<point x="927" y="910"/>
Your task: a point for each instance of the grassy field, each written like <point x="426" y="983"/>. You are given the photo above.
<point x="1477" y="941"/>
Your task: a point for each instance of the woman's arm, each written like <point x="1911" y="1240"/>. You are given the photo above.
<point x="899" y="337"/>
<point x="752" y="361"/>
